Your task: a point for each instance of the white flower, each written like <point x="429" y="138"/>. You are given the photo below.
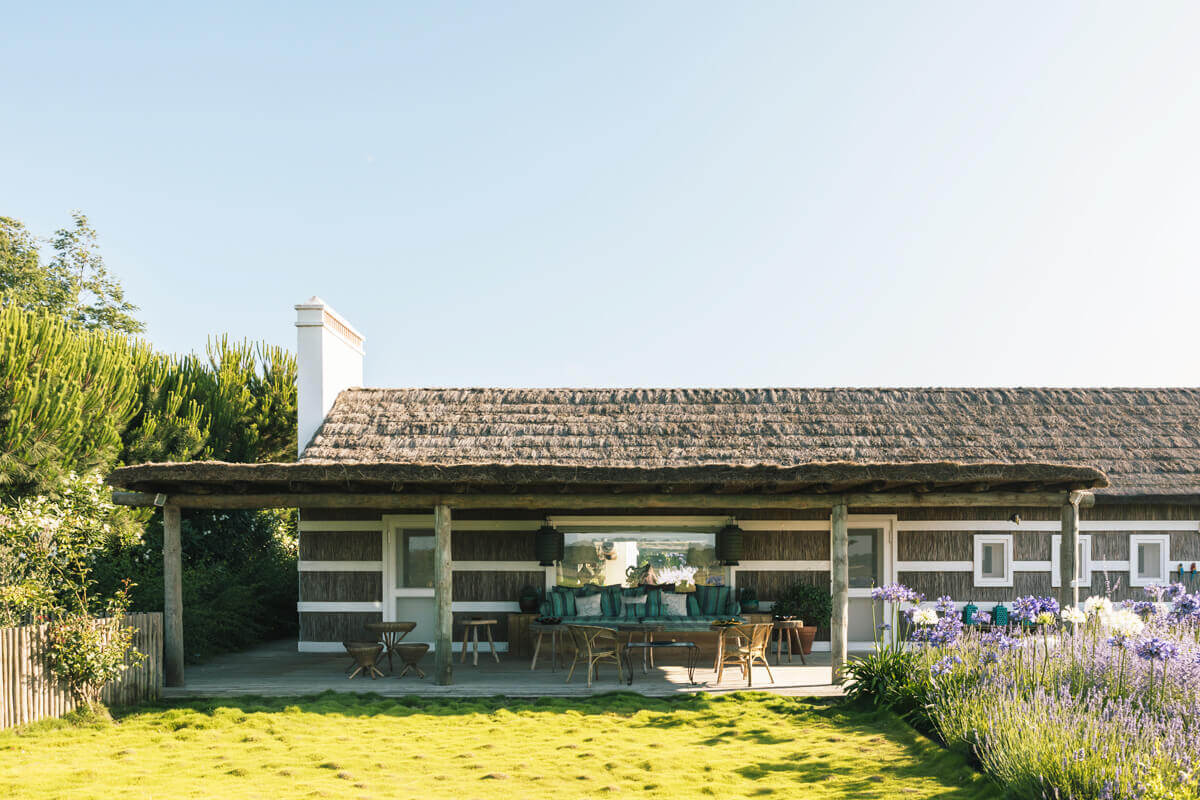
<point x="925" y="616"/>
<point x="1124" y="623"/>
<point x="1097" y="604"/>
<point x="1045" y="618"/>
<point x="1073" y="615"/>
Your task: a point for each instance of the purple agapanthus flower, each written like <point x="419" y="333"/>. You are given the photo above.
<point x="944" y="605"/>
<point x="944" y="665"/>
<point x="1143" y="608"/>
<point x="896" y="593"/>
<point x="1156" y="649"/>
<point x="1165" y="593"/>
<point x="1027" y="609"/>
<point x="1186" y="605"/>
<point x="981" y="618"/>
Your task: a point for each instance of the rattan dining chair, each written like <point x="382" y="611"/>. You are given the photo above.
<point x="594" y="644"/>
<point x="745" y="645"/>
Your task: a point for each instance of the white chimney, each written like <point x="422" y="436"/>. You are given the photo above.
<point x="329" y="358"/>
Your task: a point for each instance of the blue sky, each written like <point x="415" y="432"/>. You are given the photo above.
<point x="601" y="194"/>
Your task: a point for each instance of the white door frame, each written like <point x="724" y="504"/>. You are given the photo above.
<point x="392" y="526"/>
<point x="886" y="523"/>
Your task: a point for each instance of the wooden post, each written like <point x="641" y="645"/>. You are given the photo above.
<point x="838" y="634"/>
<point x="443" y="597"/>
<point x="1068" y="551"/>
<point x="172" y="598"/>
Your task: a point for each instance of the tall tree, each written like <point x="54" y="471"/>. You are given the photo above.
<point x="73" y="284"/>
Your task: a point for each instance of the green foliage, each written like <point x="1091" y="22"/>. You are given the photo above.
<point x="49" y="543"/>
<point x="74" y="285"/>
<point x="66" y="396"/>
<point x="803" y="600"/>
<point x="86" y="653"/>
<point x="239" y="577"/>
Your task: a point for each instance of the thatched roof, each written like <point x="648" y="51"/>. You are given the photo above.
<point x="1146" y="440"/>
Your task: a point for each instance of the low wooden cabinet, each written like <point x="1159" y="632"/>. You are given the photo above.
<point x="519" y="641"/>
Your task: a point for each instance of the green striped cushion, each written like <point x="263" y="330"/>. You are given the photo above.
<point x="713" y="599"/>
<point x="610" y="601"/>
<point x="563" y="599"/>
<point x="653" y="603"/>
<point x="693" y="605"/>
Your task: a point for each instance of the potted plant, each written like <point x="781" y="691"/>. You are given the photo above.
<point x="811" y="605"/>
<point x="748" y="599"/>
<point x="529" y="598"/>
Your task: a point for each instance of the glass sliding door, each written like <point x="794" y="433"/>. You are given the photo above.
<point x="871" y="565"/>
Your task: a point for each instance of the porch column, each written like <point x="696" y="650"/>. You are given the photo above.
<point x="1068" y="592"/>
<point x="443" y="641"/>
<point x="172" y="598"/>
<point x="838" y="634"/>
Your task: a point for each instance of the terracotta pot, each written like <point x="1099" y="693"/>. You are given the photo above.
<point x="805" y="638"/>
<point x="529" y="605"/>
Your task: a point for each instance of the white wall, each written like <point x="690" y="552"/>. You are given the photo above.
<point x="329" y="356"/>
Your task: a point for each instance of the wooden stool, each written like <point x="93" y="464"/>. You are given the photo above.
<point x="365" y="654"/>
<point x="471" y="629"/>
<point x="411" y="654"/>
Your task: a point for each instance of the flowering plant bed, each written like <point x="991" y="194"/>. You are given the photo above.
<point x="1099" y="701"/>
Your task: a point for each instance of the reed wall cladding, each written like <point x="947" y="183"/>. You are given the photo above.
<point x="785" y="546"/>
<point x="768" y="584"/>
<point x="960" y="586"/>
<point x="934" y="546"/>
<point x="337" y="626"/>
<point x="493" y="546"/>
<point x="1185" y="546"/>
<point x="341" y="586"/>
<point x="341" y="514"/>
<point x="1114" y="585"/>
<point x="494" y="586"/>
<point x="1109" y="546"/>
<point x="341" y="546"/>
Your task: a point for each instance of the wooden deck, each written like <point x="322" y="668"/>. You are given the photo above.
<point x="277" y="669"/>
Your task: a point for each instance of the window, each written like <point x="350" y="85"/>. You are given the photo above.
<point x="414" y="559"/>
<point x="1148" y="554"/>
<point x="604" y="558"/>
<point x="993" y="560"/>
<point x="865" y="557"/>
<point x="1083" y="561"/>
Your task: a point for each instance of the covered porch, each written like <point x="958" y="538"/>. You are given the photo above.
<point x="277" y="669"/>
<point x="836" y="489"/>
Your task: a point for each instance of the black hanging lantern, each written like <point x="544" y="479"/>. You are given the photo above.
<point x="549" y="546"/>
<point x="729" y="545"/>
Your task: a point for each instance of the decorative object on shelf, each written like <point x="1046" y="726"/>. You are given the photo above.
<point x="748" y="598"/>
<point x="1000" y="615"/>
<point x="636" y="576"/>
<point x="529" y="598"/>
<point x="968" y="613"/>
<point x="729" y="545"/>
<point x="549" y="546"/>
<point x="683" y="587"/>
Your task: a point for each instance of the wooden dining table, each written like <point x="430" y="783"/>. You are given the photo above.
<point x="390" y="634"/>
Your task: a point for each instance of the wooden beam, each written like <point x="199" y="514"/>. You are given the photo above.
<point x="172" y="597"/>
<point x="838" y="627"/>
<point x="1068" y="551"/>
<point x="443" y="655"/>
<point x="607" y="501"/>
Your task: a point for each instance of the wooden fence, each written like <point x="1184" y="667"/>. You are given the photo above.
<point x="29" y="692"/>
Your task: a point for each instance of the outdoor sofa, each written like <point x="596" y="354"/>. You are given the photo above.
<point x="623" y="605"/>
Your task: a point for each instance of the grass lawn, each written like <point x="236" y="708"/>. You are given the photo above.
<point x="617" y="745"/>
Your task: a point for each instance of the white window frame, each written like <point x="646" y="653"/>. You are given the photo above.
<point x="982" y="539"/>
<point x="1163" y="540"/>
<point x="1083" y="569"/>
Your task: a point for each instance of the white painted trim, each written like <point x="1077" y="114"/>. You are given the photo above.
<point x="640" y="522"/>
<point x="1033" y="526"/>
<point x="1163" y="540"/>
<point x="1085" y="570"/>
<point x="785" y="566"/>
<point x="425" y="521"/>
<point x="778" y="525"/>
<point x="336" y="647"/>
<point x="496" y="566"/>
<point x="858" y="647"/>
<point x="1031" y="566"/>
<point x="935" y="566"/>
<point x="413" y="591"/>
<point x="1110" y="566"/>
<point x="338" y="605"/>
<point x="336" y="526"/>
<point x="506" y="606"/>
<point x="340" y="566"/>
<point x="980" y="540"/>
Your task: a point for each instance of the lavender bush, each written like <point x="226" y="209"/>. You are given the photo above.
<point x="1101" y="701"/>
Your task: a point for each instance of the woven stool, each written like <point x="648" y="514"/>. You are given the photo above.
<point x="411" y="655"/>
<point x="365" y="654"/>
